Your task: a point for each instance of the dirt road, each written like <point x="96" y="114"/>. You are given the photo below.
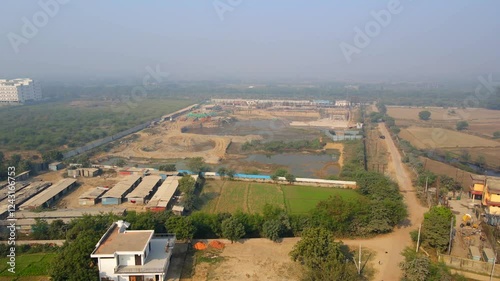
<point x="388" y="247"/>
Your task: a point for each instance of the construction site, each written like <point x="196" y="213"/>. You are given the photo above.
<point x="216" y="130"/>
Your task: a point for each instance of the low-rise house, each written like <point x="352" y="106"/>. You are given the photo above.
<point x="116" y="194"/>
<point x="91" y="197"/>
<point x="477" y="187"/>
<point x="491" y="200"/>
<point x="134" y="255"/>
<point x="56" y="166"/>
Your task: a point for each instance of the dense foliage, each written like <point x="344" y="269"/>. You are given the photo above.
<point x="58" y="125"/>
<point x="281" y="146"/>
<point x="322" y="257"/>
<point x="418" y="267"/>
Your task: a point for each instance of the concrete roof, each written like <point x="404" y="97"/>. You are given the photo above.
<point x="121" y="188"/>
<point x="127" y="241"/>
<point x="92" y="193"/>
<point x="47" y="194"/>
<point x="70" y="213"/>
<point x="164" y="192"/>
<point x="493" y="183"/>
<point x="145" y="187"/>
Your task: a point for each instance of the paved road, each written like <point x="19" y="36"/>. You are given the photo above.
<point x="388" y="247"/>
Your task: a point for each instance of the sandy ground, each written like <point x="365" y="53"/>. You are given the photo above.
<point x="251" y="259"/>
<point x="338" y="146"/>
<point x="170" y="143"/>
<point x="425" y="138"/>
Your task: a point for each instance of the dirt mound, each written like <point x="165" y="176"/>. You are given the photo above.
<point x="217" y="245"/>
<point x="200" y="246"/>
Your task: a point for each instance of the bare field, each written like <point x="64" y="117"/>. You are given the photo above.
<point x="429" y="138"/>
<point x="168" y="142"/>
<point x="491" y="155"/>
<point x="441" y="168"/>
<point x="481" y="121"/>
<point x="251" y="259"/>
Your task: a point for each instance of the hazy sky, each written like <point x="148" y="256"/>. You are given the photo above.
<point x="250" y="39"/>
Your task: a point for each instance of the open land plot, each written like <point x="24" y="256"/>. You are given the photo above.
<point x="440" y="168"/>
<point x="233" y="197"/>
<point x="252" y="259"/>
<point x="230" y="196"/>
<point x="37" y="264"/>
<point x="490" y="154"/>
<point x="261" y="194"/>
<point x="169" y="143"/>
<point x="301" y="199"/>
<point x="481" y="121"/>
<point x="430" y="138"/>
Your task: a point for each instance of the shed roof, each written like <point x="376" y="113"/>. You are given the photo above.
<point x="122" y="187"/>
<point x="493" y="183"/>
<point x="47" y="194"/>
<point x="92" y="193"/>
<point x="145" y="187"/>
<point x="164" y="192"/>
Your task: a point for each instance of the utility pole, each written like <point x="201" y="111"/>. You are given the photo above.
<point x="451" y="235"/>
<point x="359" y="262"/>
<point x="418" y="239"/>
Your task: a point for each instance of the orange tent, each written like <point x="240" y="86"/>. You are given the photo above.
<point x="217" y="245"/>
<point x="200" y="246"/>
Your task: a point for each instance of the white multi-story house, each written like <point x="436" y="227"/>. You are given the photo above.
<point x="342" y="103"/>
<point x="19" y="90"/>
<point x="134" y="255"/>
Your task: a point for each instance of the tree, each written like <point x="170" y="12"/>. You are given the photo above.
<point x="232" y="229"/>
<point x="465" y="156"/>
<point x="222" y="171"/>
<point x="424" y="115"/>
<point x="416" y="267"/>
<point x="436" y="227"/>
<point x="40" y="230"/>
<point x="276" y="222"/>
<point x="197" y="165"/>
<point x="462" y="125"/>
<point x="290" y="178"/>
<point x="481" y="161"/>
<point x="230" y="173"/>
<point x="496" y="135"/>
<point x="322" y="256"/>
<point x="167" y="167"/>
<point x="187" y="184"/>
<point x="120" y="163"/>
<point x="51" y="156"/>
<point x="182" y="227"/>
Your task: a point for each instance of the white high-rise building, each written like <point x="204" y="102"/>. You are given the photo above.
<point x="19" y="90"/>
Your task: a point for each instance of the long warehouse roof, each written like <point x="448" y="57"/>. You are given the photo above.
<point x="47" y="194"/>
<point x="164" y="192"/>
<point x="121" y="188"/>
<point x="145" y="187"/>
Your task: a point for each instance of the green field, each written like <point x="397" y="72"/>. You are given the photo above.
<point x="230" y="196"/>
<point x="301" y="199"/>
<point x="28" y="265"/>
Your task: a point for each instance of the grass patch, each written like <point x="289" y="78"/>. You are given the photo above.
<point x="29" y="265"/>
<point x="301" y="199"/>
<point x="232" y="197"/>
<point x="260" y="194"/>
<point x="296" y="199"/>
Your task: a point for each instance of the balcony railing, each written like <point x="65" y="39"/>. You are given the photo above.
<point x="137" y="269"/>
